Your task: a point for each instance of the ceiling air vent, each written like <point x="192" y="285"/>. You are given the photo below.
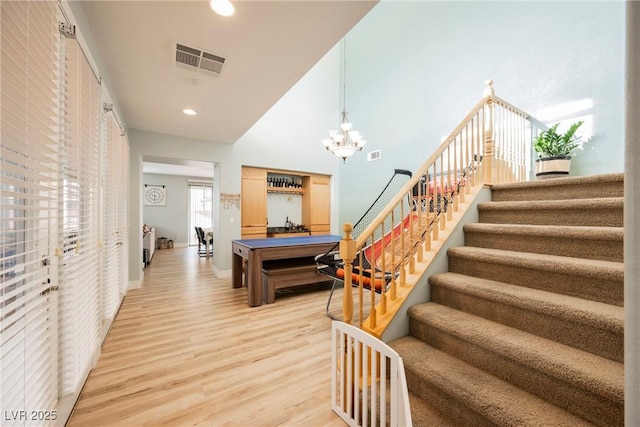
<point x="198" y="60"/>
<point x="373" y="155"/>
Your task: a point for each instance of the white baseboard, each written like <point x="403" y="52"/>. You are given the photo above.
<point x="180" y="245"/>
<point x="134" y="284"/>
<point x="221" y="273"/>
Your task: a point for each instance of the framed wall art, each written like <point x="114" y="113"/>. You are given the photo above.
<point x="155" y="195"/>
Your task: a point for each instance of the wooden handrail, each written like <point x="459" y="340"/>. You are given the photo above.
<point x="488" y="146"/>
<point x="425" y="166"/>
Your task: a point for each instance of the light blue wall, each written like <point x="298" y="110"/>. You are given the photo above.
<point x="172" y="220"/>
<point x="415" y="69"/>
<point x="287" y="137"/>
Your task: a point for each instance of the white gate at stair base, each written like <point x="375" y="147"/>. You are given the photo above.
<point x="368" y="384"/>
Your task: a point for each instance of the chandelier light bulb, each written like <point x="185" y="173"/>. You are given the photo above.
<point x="344" y="144"/>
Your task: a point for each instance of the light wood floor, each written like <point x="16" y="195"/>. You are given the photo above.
<point x="186" y="350"/>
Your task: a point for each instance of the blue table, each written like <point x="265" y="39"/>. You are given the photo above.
<point x="257" y="250"/>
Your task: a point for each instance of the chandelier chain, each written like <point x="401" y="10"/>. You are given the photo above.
<point x="345" y="141"/>
<point x="344" y="75"/>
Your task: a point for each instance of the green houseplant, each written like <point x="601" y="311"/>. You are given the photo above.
<point x="554" y="150"/>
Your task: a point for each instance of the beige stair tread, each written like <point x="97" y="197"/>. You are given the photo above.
<point x="484" y="394"/>
<point x="592" y="313"/>
<point x="564" y="231"/>
<point x="606" y="270"/>
<point x="424" y="414"/>
<point x="561" y="182"/>
<point x="593" y="373"/>
<point x="555" y="205"/>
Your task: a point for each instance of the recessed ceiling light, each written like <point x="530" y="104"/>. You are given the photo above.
<point x="222" y="7"/>
<point x="189" y="112"/>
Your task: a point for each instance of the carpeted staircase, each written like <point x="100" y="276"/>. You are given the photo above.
<point x="526" y="328"/>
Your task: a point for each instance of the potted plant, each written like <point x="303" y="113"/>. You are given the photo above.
<point x="554" y="150"/>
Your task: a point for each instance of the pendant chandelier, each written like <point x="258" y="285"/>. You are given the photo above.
<point x="346" y="141"/>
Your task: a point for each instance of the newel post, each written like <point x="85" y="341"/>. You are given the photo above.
<point x="489" y="149"/>
<point x="348" y="254"/>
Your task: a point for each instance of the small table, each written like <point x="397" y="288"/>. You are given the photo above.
<point x="257" y="250"/>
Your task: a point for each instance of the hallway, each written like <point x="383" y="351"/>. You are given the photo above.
<point x="185" y="349"/>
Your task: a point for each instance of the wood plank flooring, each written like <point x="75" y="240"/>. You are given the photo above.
<point x="187" y="350"/>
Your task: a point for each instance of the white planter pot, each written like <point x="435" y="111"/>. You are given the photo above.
<point x="553" y="167"/>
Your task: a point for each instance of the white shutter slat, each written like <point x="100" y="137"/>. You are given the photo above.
<point x="28" y="151"/>
<point x="27" y="163"/>
<point x="15" y="48"/>
<point x="51" y="158"/>
<point x="26" y="185"/>
<point x="79" y="183"/>
<point x="115" y="271"/>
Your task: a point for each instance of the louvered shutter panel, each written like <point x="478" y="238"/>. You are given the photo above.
<point x="80" y="322"/>
<point x="123" y="214"/>
<point x="28" y="188"/>
<point x="111" y="263"/>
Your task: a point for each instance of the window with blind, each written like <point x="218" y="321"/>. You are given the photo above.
<point x="200" y="207"/>
<point x="123" y="211"/>
<point x="79" y="215"/>
<point x="115" y="271"/>
<point x="28" y="190"/>
<point x="63" y="188"/>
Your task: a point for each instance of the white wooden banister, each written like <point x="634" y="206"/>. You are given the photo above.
<point x="368" y="383"/>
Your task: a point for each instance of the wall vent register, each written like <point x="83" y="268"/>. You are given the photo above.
<point x="373" y="155"/>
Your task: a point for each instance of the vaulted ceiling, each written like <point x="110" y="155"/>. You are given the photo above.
<point x="267" y="46"/>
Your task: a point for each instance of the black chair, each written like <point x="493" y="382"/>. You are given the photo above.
<point x="202" y="243"/>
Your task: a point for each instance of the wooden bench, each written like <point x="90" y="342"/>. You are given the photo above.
<point x="288" y="273"/>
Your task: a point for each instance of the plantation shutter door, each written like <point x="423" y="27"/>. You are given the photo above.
<point x="79" y="214"/>
<point x="123" y="216"/>
<point x="111" y="263"/>
<point x="28" y="192"/>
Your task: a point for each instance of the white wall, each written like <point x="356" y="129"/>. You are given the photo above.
<point x="287" y="137"/>
<point x="415" y="69"/>
<point x="282" y="206"/>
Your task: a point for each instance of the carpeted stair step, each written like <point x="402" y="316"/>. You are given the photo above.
<point x="602" y="243"/>
<point x="595" y="280"/>
<point x="587" y="325"/>
<point x="577" y="187"/>
<point x="468" y="396"/>
<point x="605" y="212"/>
<point x="585" y="384"/>
<point x="425" y="414"/>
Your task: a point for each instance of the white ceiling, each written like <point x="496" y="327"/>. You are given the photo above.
<point x="268" y="46"/>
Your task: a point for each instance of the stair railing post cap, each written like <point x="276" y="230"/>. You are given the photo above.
<point x="347" y="228"/>
<point x="489" y="90"/>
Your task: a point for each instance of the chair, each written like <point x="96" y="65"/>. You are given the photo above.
<point x="202" y="241"/>
<point x="330" y="263"/>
